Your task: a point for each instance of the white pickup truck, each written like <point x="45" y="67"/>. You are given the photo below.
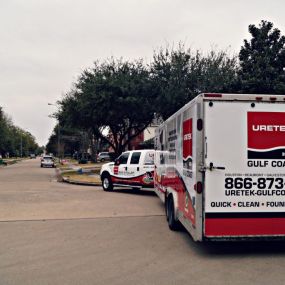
<point x="132" y="169"/>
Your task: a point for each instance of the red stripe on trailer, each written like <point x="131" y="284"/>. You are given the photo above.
<point x="215" y="227"/>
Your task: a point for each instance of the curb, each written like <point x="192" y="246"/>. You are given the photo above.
<point x="61" y="178"/>
<point x="66" y="180"/>
<point x="6" y="163"/>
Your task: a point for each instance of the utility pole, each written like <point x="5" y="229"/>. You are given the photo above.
<point x="58" y="135"/>
<point x="58" y="140"/>
<point x="21" y="145"/>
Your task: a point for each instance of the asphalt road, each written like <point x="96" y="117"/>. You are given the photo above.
<point x="56" y="233"/>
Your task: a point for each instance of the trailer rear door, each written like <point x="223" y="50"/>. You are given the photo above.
<point x="245" y="162"/>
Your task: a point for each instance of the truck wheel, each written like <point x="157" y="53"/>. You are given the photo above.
<point x="173" y="224"/>
<point x="107" y="183"/>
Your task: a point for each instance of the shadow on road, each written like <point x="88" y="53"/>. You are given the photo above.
<point x="240" y="249"/>
<point x="245" y="248"/>
<point x="134" y="192"/>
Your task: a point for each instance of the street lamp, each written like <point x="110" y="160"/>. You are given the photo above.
<point x="58" y="135"/>
<point x="21" y="142"/>
<point x="21" y="149"/>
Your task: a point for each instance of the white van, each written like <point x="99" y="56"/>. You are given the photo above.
<point x="132" y="169"/>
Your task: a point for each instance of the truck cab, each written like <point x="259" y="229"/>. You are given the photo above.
<point x="131" y="169"/>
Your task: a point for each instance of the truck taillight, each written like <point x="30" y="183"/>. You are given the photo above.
<point x="211" y="95"/>
<point x="199" y="187"/>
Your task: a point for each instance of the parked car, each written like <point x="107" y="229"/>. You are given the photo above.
<point x="103" y="156"/>
<point x="32" y="155"/>
<point x="82" y="156"/>
<point x="47" y="161"/>
<point x="132" y="169"/>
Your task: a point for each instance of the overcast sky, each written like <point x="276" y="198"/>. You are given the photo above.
<point x="45" y="44"/>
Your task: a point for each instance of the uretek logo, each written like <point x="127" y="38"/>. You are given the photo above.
<point x="187" y="144"/>
<point x="266" y="135"/>
<point x="268" y="128"/>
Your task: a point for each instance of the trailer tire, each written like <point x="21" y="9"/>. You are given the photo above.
<point x="173" y="224"/>
<point x="107" y="183"/>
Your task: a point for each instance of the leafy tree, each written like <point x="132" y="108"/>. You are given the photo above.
<point x="3" y="131"/>
<point x="179" y="75"/>
<point x="170" y="79"/>
<point x="112" y="101"/>
<point x="68" y="142"/>
<point x="13" y="139"/>
<point x="116" y="100"/>
<point x="215" y="72"/>
<point x="262" y="60"/>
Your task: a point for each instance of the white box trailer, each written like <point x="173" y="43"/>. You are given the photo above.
<point x="220" y="167"/>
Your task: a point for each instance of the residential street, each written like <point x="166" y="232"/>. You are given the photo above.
<point x="56" y="233"/>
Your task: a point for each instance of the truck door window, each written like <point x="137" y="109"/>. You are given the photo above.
<point x="123" y="159"/>
<point x="135" y="159"/>
<point x="149" y="158"/>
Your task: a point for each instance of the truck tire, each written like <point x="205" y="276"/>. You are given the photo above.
<point x="173" y="224"/>
<point x="107" y="183"/>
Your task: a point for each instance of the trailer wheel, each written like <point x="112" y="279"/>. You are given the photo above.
<point x="107" y="183"/>
<point x="173" y="224"/>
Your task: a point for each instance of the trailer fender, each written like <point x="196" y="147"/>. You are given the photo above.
<point x="173" y="193"/>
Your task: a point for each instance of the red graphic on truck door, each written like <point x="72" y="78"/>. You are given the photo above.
<point x="187" y="144"/>
<point x="266" y="135"/>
